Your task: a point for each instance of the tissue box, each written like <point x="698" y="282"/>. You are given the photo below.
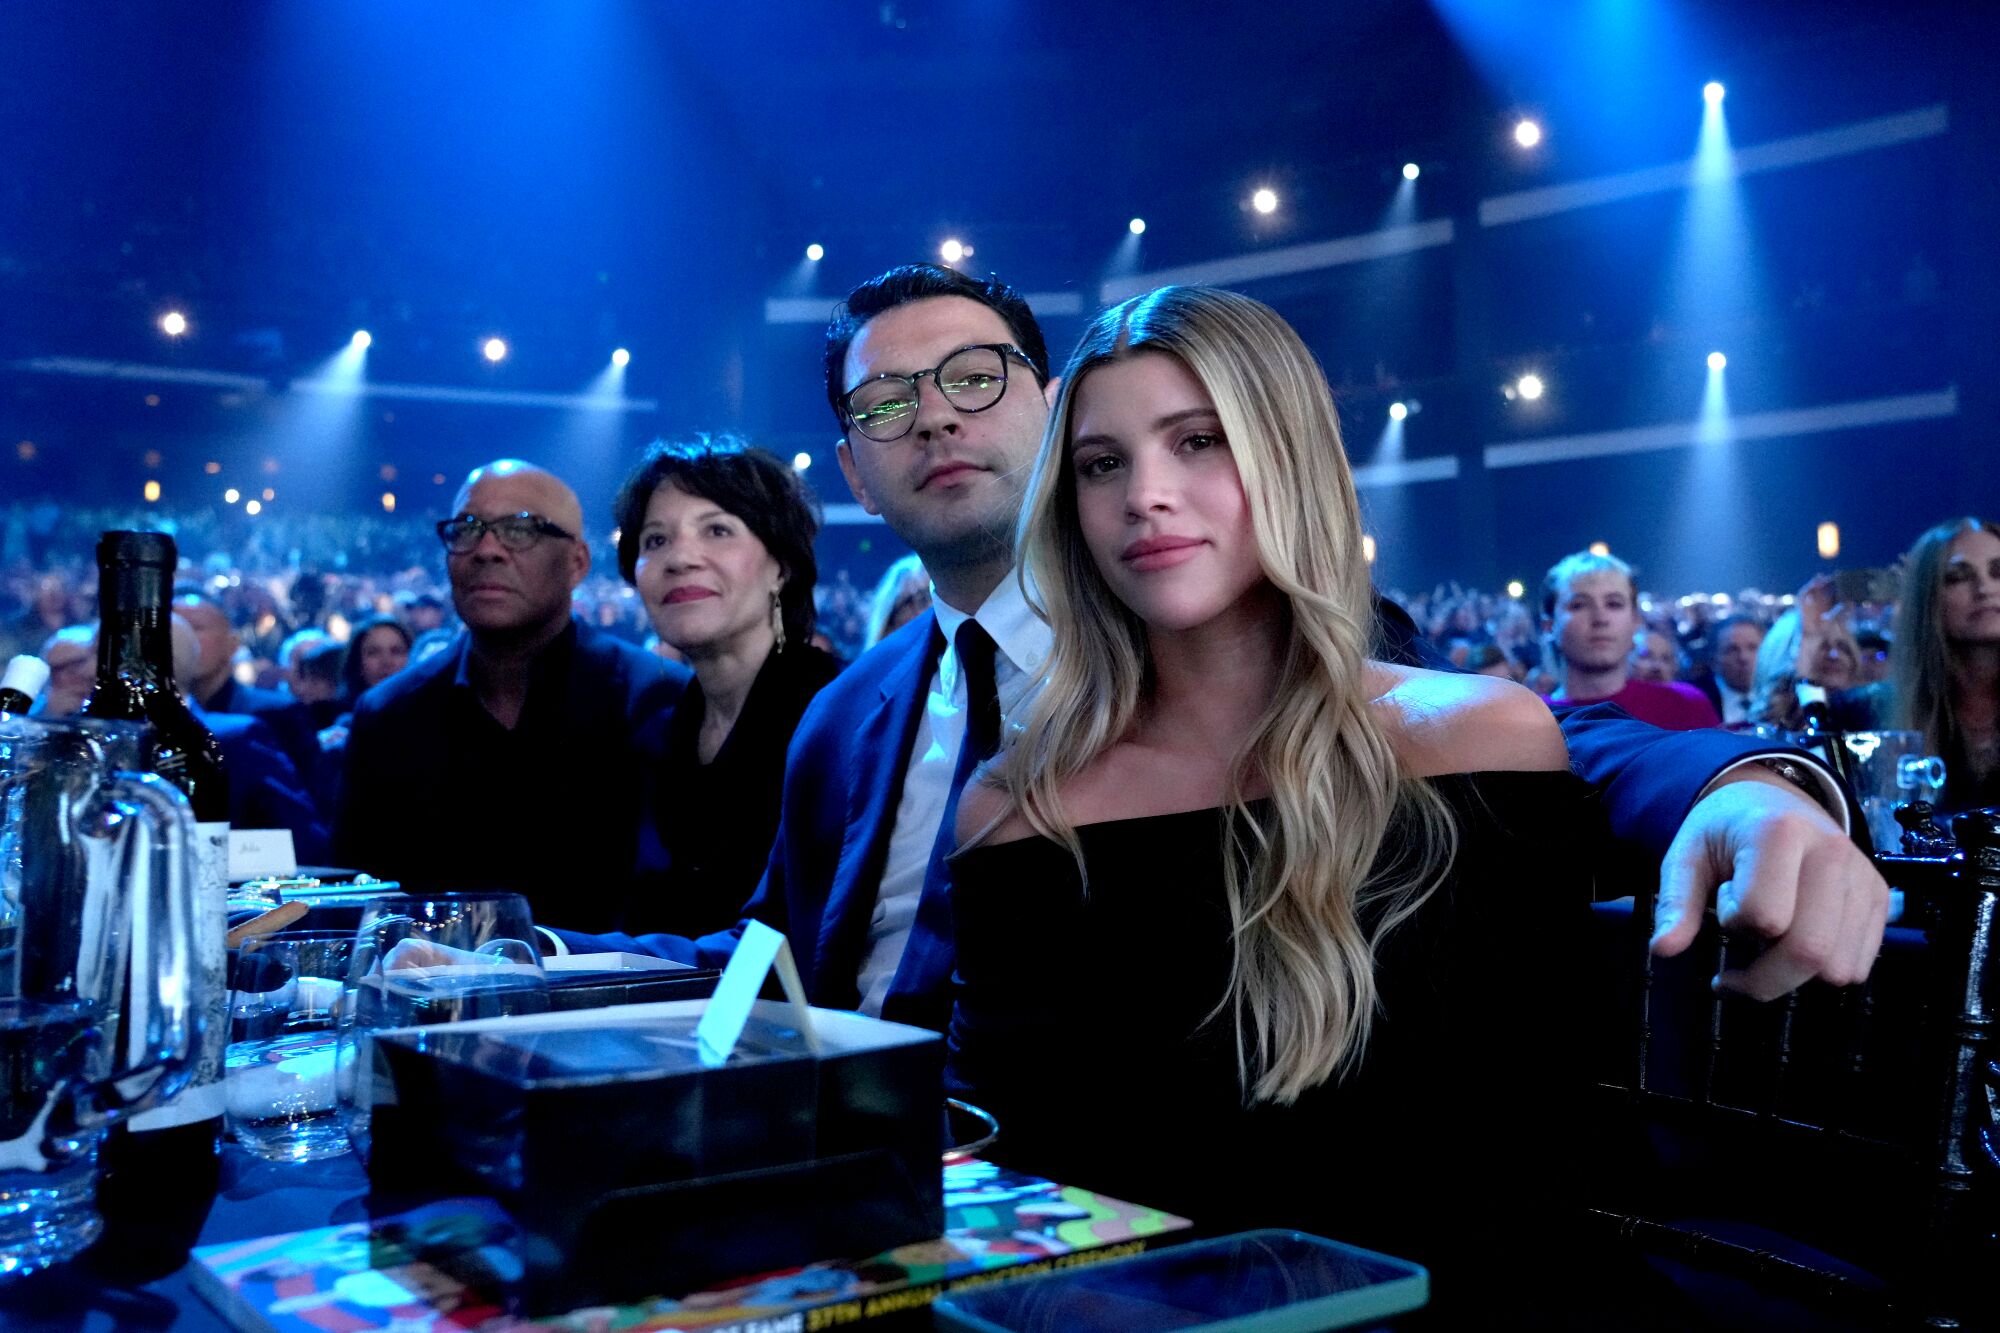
<point x="634" y="1170"/>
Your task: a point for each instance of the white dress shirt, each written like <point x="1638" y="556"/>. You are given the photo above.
<point x="1023" y="640"/>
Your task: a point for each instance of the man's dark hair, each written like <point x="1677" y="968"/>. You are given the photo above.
<point x="1720" y="630"/>
<point x="758" y="488"/>
<point x="918" y="282"/>
<point x="322" y="660"/>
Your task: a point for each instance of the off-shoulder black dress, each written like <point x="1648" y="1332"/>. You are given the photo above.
<point x="1086" y="1021"/>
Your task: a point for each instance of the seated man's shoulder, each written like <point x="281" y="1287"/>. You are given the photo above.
<point x="861" y="681"/>
<point x="1453" y="722"/>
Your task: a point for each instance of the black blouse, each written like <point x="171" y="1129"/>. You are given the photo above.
<point x="706" y="829"/>
<point x="1087" y="1021"/>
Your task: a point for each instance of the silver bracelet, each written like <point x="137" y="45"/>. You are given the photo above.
<point x="1798" y="775"/>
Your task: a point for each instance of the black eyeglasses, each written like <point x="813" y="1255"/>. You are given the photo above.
<point x="972" y="379"/>
<point x="516" y="532"/>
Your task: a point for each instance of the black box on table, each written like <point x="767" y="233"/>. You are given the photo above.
<point x="634" y="1169"/>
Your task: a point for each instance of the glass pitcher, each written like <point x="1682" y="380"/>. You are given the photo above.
<point x="100" y="993"/>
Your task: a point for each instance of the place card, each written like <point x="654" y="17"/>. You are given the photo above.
<point x="759" y="951"/>
<point x="261" y="853"/>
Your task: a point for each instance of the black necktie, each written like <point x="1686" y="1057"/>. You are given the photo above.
<point x="921" y="990"/>
<point x="982" y="695"/>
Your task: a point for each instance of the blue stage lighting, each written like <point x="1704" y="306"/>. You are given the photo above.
<point x="495" y="349"/>
<point x="1411" y="171"/>
<point x="815" y="252"/>
<point x="952" y="251"/>
<point x="621" y="358"/>
<point x="173" y="324"/>
<point x="362" y="339"/>
<point x="1137" y="226"/>
<point x="1265" y="201"/>
<point x="1712" y="93"/>
<point x="1527" y="133"/>
<point x="1397" y="411"/>
<point x="1716" y="361"/>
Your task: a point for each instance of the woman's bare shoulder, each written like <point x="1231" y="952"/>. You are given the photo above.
<point x="985" y="814"/>
<point x="1450" y="722"/>
<point x="1129" y="780"/>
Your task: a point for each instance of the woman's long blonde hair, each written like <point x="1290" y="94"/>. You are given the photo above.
<point x="1302" y="988"/>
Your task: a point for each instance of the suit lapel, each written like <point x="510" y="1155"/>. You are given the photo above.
<point x="879" y="759"/>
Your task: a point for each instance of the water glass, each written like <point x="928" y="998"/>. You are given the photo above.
<point x="286" y="999"/>
<point x="1888" y="769"/>
<point x="422" y="960"/>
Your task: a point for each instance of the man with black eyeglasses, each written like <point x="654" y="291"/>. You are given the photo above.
<point x="503" y="762"/>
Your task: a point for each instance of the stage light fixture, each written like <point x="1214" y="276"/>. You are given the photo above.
<point x="1600" y="548"/>
<point x="1265" y="201"/>
<point x="1712" y="93"/>
<point x="1530" y="386"/>
<point x="1397" y="411"/>
<point x="952" y="251"/>
<point x="1368" y="548"/>
<point x="801" y="461"/>
<point x="173" y="323"/>
<point x="495" y="349"/>
<point x="815" y="252"/>
<point x="1527" y="133"/>
<point x="362" y="339"/>
<point x="1829" y="541"/>
<point x="231" y="496"/>
<point x="389" y="502"/>
<point x="1515" y="589"/>
<point x="152" y="492"/>
<point x="1137" y="226"/>
<point x="252" y="507"/>
<point x="621" y="358"/>
<point x="1716" y="361"/>
<point x="1411" y="171"/>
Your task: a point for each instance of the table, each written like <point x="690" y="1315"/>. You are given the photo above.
<point x="257" y="1198"/>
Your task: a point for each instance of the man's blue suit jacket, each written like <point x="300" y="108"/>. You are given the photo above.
<point x="844" y="780"/>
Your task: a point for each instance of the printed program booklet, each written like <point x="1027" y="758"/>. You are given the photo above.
<point x="445" y="1268"/>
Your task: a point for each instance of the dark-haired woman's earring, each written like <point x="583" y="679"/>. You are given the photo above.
<point x="778" y="621"/>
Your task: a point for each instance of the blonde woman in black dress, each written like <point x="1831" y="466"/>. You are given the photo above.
<point x="1259" y="876"/>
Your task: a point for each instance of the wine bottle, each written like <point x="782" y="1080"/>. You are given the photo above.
<point x="161" y="1169"/>
<point x="24" y="680"/>
<point x="1815" y="716"/>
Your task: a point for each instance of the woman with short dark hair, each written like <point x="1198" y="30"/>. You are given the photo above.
<point x="717" y="537"/>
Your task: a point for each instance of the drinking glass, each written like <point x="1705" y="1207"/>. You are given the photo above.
<point x="422" y="960"/>
<point x="286" y="998"/>
<point x="1888" y="769"/>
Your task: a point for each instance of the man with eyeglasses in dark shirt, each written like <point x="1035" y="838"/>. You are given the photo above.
<point x="503" y="762"/>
